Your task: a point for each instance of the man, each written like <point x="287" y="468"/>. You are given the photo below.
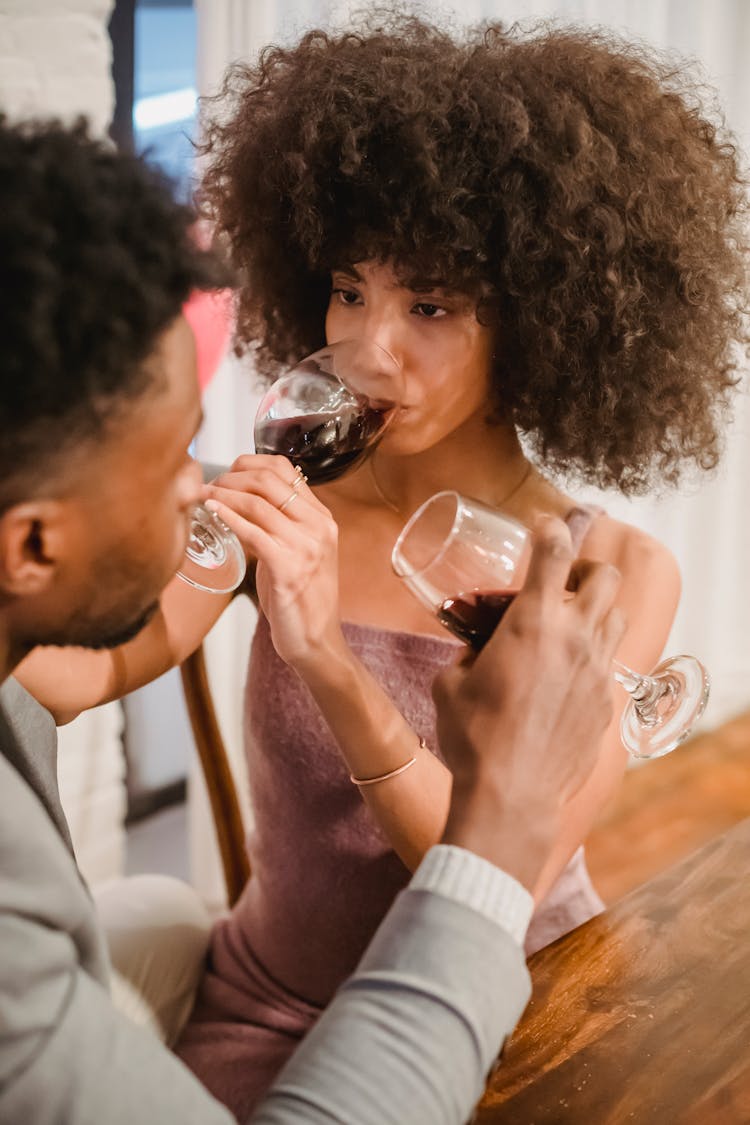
<point x="99" y="405"/>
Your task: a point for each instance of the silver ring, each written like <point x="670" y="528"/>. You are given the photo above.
<point x="292" y="496"/>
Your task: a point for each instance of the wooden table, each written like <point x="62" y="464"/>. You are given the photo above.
<point x="642" y="1014"/>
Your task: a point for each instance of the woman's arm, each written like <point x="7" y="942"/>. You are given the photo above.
<point x="374" y="737"/>
<point x="297" y="584"/>
<point x="297" y="588"/>
<point x="69" y="680"/>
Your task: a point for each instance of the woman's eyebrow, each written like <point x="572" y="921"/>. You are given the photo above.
<point x="417" y="285"/>
<point x="348" y="271"/>
<point x="432" y="285"/>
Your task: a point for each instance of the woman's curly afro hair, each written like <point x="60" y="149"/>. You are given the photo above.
<point x="568" y="181"/>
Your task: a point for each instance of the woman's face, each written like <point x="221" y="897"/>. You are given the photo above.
<point x="444" y="352"/>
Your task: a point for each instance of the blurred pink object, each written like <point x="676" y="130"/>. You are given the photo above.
<point x="210" y="315"/>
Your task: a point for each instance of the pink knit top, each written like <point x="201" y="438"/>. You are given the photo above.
<point x="323" y="873"/>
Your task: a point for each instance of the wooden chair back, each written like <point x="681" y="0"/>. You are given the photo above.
<point x="222" y="795"/>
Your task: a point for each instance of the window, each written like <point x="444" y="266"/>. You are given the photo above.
<point x="154" y="69"/>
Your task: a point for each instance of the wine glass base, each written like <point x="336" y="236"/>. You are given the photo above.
<point x="214" y="560"/>
<point x="677" y="712"/>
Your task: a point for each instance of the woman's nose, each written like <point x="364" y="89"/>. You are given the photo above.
<point x="370" y="368"/>
<point x="383" y="331"/>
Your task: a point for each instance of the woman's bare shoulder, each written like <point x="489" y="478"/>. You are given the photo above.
<point x="634" y="552"/>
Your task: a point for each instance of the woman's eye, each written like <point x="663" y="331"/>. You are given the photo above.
<point x="345" y="296"/>
<point x="430" y="311"/>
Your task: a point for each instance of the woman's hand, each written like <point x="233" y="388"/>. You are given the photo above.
<point x="296" y="549"/>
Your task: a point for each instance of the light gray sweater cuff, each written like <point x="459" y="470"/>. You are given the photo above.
<point x="467" y="878"/>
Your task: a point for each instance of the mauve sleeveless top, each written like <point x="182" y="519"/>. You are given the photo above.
<point x="323" y="873"/>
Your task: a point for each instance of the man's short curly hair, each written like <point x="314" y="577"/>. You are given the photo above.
<point x="96" y="260"/>
<point x="571" y="177"/>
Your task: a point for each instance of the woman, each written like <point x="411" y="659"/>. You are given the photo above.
<point x="541" y="229"/>
<point x="538" y="228"/>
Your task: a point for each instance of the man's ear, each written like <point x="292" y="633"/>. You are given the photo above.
<point x="30" y="540"/>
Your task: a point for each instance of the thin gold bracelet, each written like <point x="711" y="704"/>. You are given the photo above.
<point x="360" y="781"/>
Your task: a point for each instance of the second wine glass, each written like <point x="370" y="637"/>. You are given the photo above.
<point x="466" y="562"/>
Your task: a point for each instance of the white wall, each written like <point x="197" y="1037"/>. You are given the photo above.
<point x="55" y="60"/>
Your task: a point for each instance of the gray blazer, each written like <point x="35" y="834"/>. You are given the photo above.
<point x="448" y="978"/>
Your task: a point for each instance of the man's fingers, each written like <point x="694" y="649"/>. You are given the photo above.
<point x="612" y="631"/>
<point x="551" y="557"/>
<point x="447" y="682"/>
<point x="595" y="585"/>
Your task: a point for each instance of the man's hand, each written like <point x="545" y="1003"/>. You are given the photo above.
<point x="520" y="725"/>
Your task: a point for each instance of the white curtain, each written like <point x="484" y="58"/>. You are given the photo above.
<point x="706" y="523"/>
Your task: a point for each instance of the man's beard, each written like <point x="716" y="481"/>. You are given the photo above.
<point x="82" y="632"/>
<point x="119" y="636"/>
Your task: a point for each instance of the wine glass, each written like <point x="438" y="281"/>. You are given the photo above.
<point x="330" y="410"/>
<point x="466" y="562"/>
<point x="213" y="559"/>
<point x="325" y="414"/>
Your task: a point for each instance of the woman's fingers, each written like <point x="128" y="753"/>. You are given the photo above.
<point x="263" y="474"/>
<point x="252" y="494"/>
<point x="272" y="477"/>
<point x="299" y="522"/>
<point x="256" y="541"/>
<point x="251" y="462"/>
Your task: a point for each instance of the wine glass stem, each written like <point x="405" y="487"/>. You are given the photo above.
<point x="647" y="692"/>
<point x="642" y="689"/>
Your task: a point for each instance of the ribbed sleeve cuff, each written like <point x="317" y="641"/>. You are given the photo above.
<point x="475" y="882"/>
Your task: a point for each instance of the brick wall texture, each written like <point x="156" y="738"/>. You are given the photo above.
<point x="55" y="60"/>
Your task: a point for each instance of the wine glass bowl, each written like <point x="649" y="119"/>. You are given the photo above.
<point x="466" y="562"/>
<point x="325" y="415"/>
<point x="213" y="559"/>
<point x="331" y="409"/>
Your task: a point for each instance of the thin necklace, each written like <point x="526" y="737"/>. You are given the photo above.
<point x="495" y="503"/>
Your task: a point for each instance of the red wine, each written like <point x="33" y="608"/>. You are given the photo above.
<point x="474" y="617"/>
<point x="324" y="446"/>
